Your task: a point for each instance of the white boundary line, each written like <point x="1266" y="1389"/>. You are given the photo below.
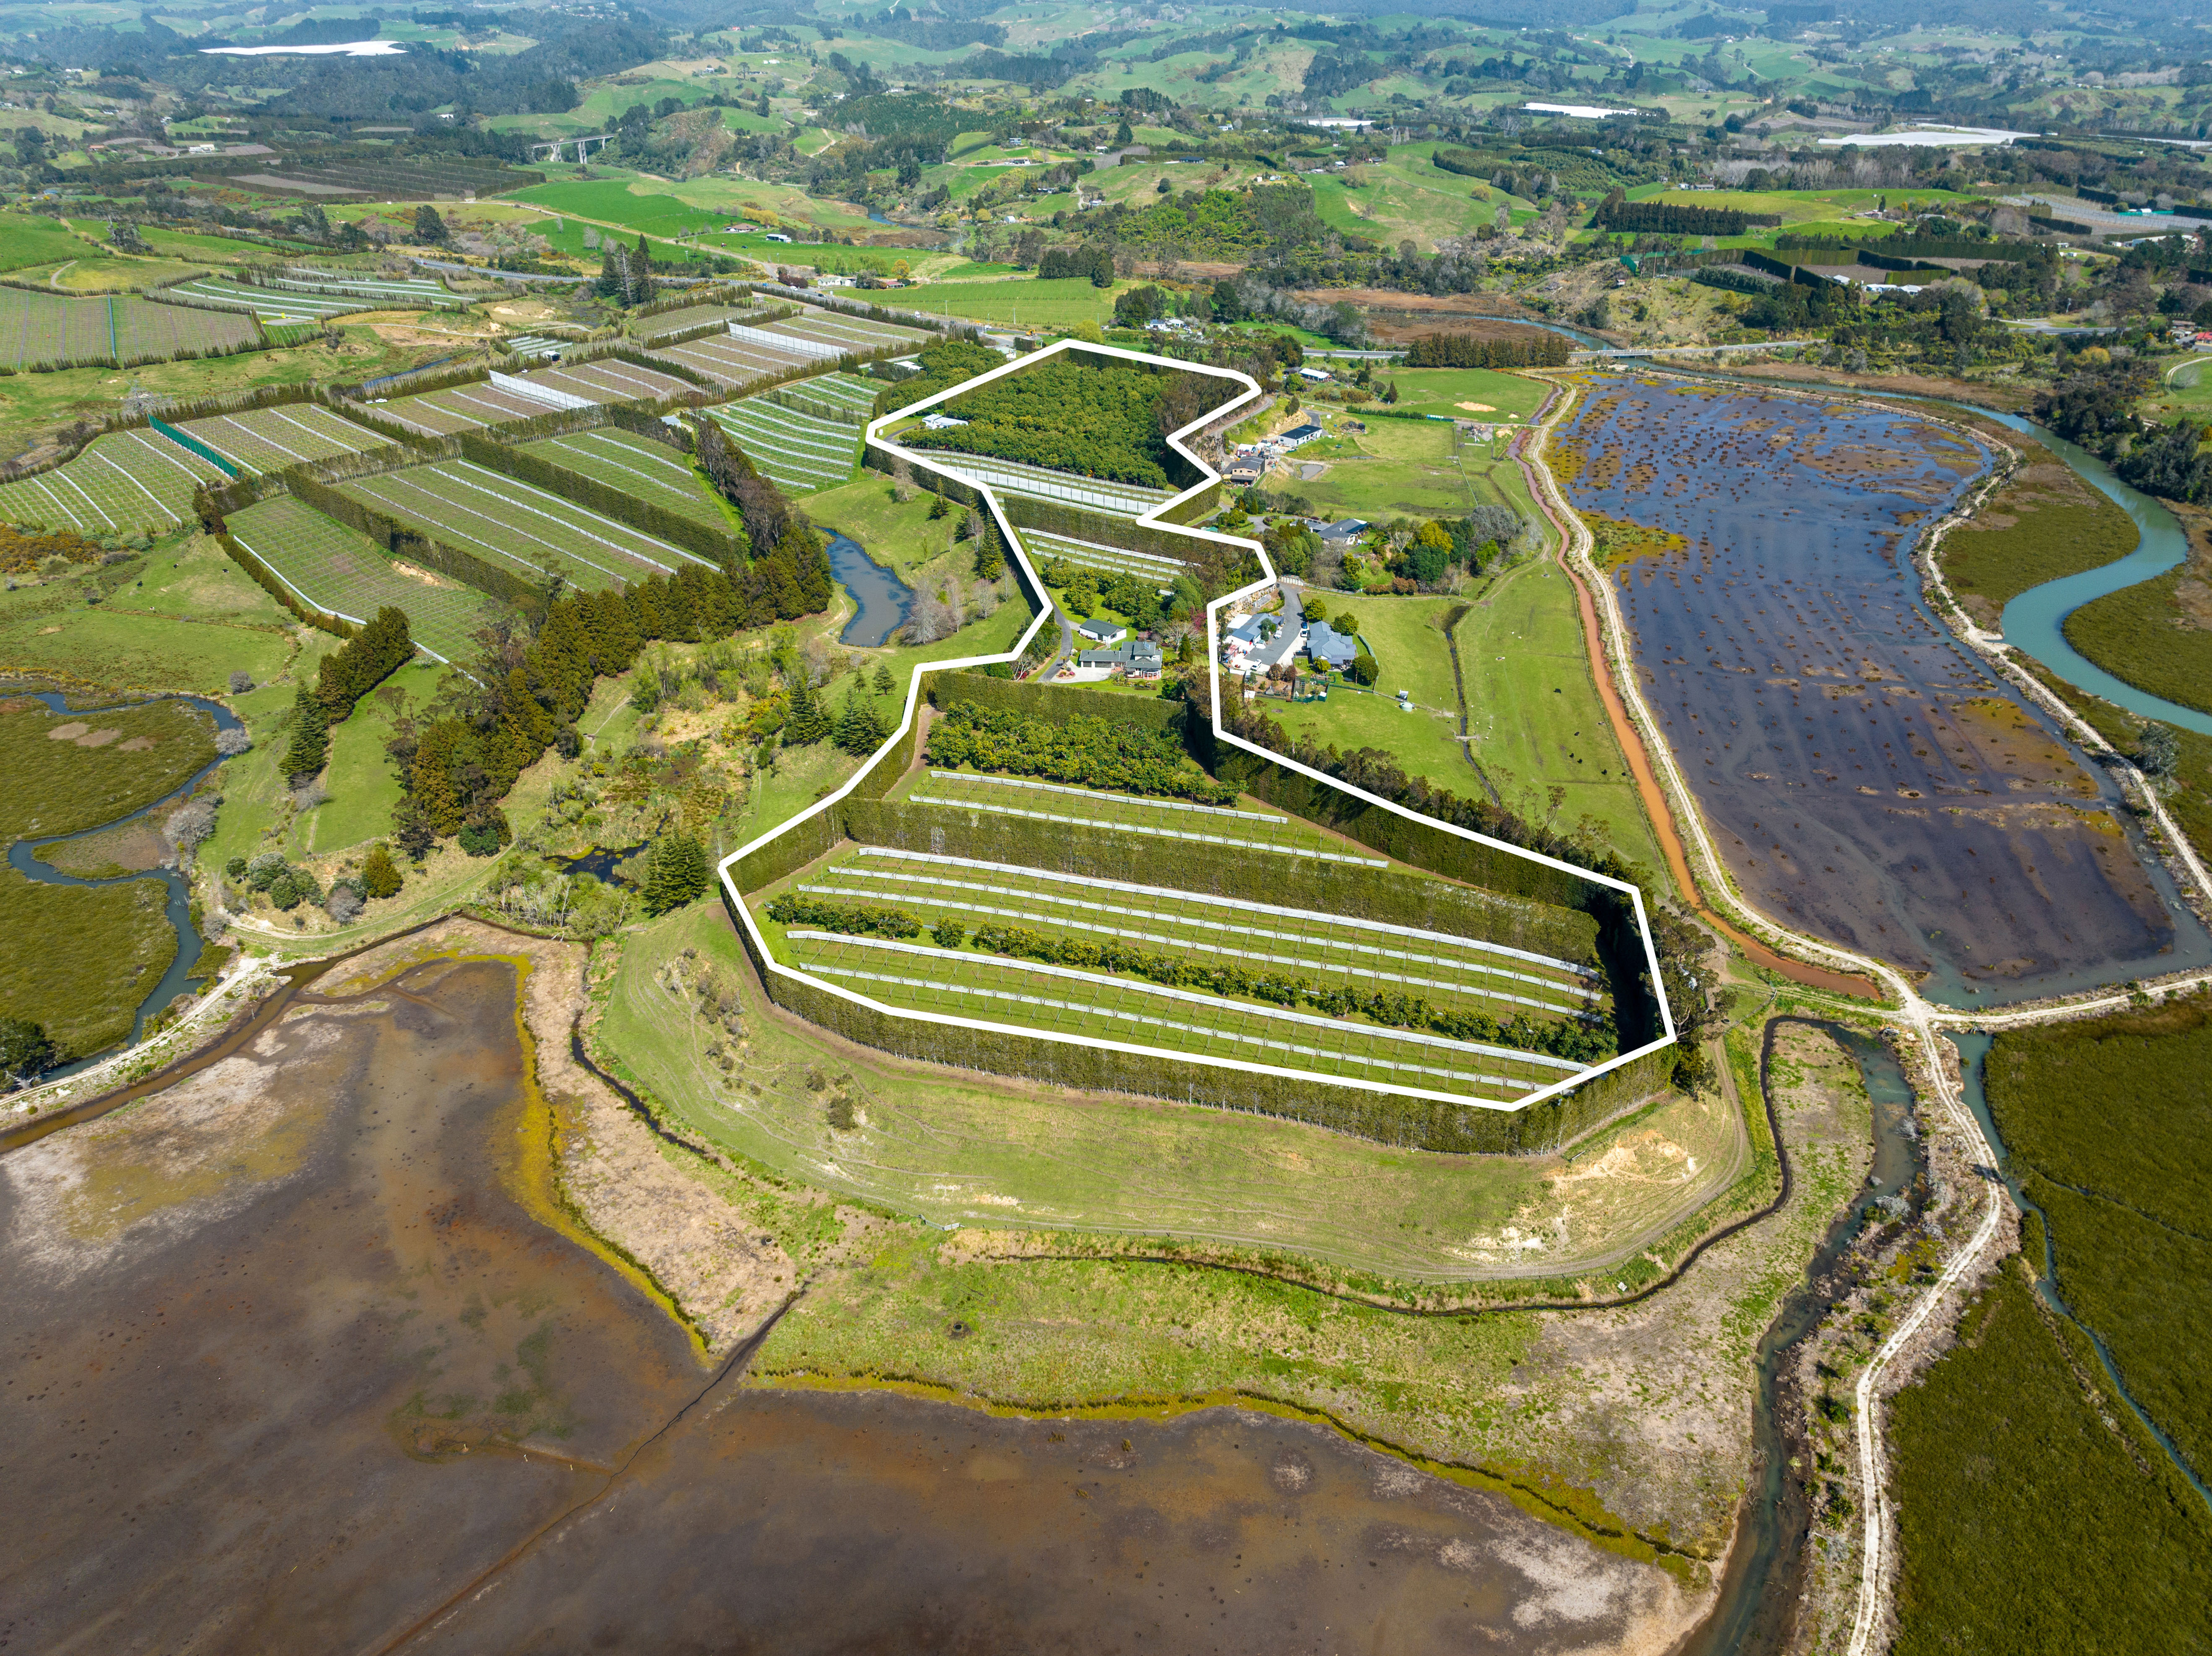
<point x="1154" y="518"/>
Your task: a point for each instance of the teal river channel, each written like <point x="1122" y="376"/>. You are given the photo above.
<point x="2034" y="622"/>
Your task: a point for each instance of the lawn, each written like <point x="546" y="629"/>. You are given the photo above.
<point x="900" y="538"/>
<point x="28" y="239"/>
<point x="1404" y="635"/>
<point x="362" y="785"/>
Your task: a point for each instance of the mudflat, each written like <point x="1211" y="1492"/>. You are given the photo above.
<point x="303" y="1353"/>
<point x="1867" y="779"/>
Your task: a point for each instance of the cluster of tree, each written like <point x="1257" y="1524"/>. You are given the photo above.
<point x="1616" y="212"/>
<point x="454" y="773"/>
<point x="1094" y="260"/>
<point x="625" y="273"/>
<point x="1251" y="298"/>
<point x="26" y="1052"/>
<point x="1086" y="589"/>
<point x="676" y="872"/>
<point x="1094" y="753"/>
<point x="1098" y="419"/>
<point x="2094" y="405"/>
<point x="372" y="655"/>
<point x="286" y="886"/>
<point x="1267" y="219"/>
<point x="943" y="365"/>
<point x="854" y="920"/>
<point x="1524" y="349"/>
<point x="789" y="574"/>
<point x="2167" y="461"/>
<point x="1792" y="305"/>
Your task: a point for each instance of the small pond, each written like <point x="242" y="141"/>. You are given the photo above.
<point x="880" y="599"/>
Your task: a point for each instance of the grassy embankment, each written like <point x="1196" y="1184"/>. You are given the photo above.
<point x="2044" y="523"/>
<point x="1566" y="1414"/>
<point x="77" y="960"/>
<point x="2037" y="1514"/>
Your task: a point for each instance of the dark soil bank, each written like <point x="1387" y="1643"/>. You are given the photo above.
<point x="1867" y="779"/>
<point x="294" y="1357"/>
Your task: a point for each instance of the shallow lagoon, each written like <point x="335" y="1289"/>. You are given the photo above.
<point x="1866" y="778"/>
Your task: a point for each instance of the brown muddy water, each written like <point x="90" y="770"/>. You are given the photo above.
<point x="1867" y="779"/>
<point x="299" y="1355"/>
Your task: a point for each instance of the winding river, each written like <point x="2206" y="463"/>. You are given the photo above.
<point x="24" y="855"/>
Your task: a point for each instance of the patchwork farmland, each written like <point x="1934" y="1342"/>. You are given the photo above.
<point x="123" y="481"/>
<point x="268" y="439"/>
<point x="509" y="397"/>
<point x="273" y="305"/>
<point x="835" y="395"/>
<point x="330" y="568"/>
<point x="1291" y="984"/>
<point x="647" y="328"/>
<point x="735" y="362"/>
<point x="391" y="292"/>
<point x="1042" y="483"/>
<point x="37" y="329"/>
<point x="802" y="453"/>
<point x="857" y="335"/>
<point x="514" y="526"/>
<point x="652" y="472"/>
<point x="1041" y="544"/>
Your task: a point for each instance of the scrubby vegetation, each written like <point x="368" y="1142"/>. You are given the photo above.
<point x="1093" y="752"/>
<point x="2140" y="634"/>
<point x="2109" y="1124"/>
<point x="2035" y="1516"/>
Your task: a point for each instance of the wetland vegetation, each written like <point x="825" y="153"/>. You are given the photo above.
<point x="2044" y="523"/>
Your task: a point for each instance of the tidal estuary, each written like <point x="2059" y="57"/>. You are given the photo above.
<point x="1867" y="779"/>
<point x="303" y="1353"/>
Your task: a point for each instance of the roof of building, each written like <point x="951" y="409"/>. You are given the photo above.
<point x="1345" y="529"/>
<point x="1132" y="652"/>
<point x="1325" y="643"/>
<point x="1105" y="631"/>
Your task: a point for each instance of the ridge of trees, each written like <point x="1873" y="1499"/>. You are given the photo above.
<point x="1086" y="750"/>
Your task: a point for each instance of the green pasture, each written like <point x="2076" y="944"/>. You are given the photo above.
<point x="26" y="240"/>
<point x="942" y="1145"/>
<point x="1031" y="305"/>
<point x="900" y="538"/>
<point x="1442" y="391"/>
<point x="1540" y="731"/>
<point x="1405" y="197"/>
<point x="51" y="628"/>
<point x="37" y="404"/>
<point x="1405" y="469"/>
